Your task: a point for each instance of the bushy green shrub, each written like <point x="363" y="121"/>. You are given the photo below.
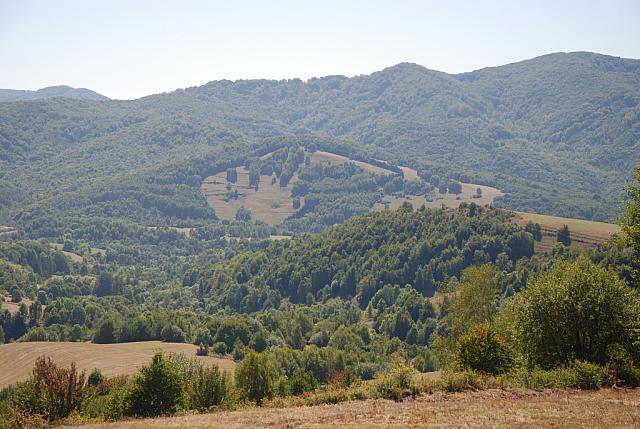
<point x="210" y="388"/>
<point x="366" y="370"/>
<point x="219" y="348"/>
<point x="256" y="377"/>
<point x="588" y="375"/>
<point x="396" y="383"/>
<point x="459" y="381"/>
<point x="483" y="350"/>
<point x="156" y="390"/>
<point x="301" y="382"/>
<point x="622" y="365"/>
<point x="95" y="378"/>
<point x="172" y="334"/>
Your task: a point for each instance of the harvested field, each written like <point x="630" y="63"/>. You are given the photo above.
<point x="584" y="233"/>
<point x="17" y="359"/>
<point x="611" y="408"/>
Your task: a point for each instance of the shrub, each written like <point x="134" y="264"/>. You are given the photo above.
<point x="396" y="383"/>
<point x="117" y="402"/>
<point x="459" y="381"/>
<point x="210" y="388"/>
<point x="301" y="382"/>
<point x="156" y="389"/>
<point x="574" y="311"/>
<point x="95" y="378"/>
<point x="483" y="350"/>
<point x="366" y="370"/>
<point x="256" y="377"/>
<point x="622" y="365"/>
<point x="588" y="375"/>
<point x="219" y="348"/>
<point x="203" y="350"/>
<point x="16" y="295"/>
<point x="57" y="391"/>
<point x="172" y="334"/>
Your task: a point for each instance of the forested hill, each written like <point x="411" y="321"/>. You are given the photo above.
<point x="565" y="123"/>
<point x="50" y="92"/>
<point x="559" y="134"/>
<point x="370" y="255"/>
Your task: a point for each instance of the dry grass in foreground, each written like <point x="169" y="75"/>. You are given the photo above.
<point x="609" y="408"/>
<point x="17" y="359"/>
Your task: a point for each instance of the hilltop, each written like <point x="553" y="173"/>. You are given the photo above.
<point x="7" y="95"/>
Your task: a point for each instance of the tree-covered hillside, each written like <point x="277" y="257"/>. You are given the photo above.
<point x="559" y="134"/>
<point x="50" y="92"/>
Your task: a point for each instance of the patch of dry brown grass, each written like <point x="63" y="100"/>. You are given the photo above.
<point x="584" y="233"/>
<point x="17" y="359"/>
<point x="514" y="408"/>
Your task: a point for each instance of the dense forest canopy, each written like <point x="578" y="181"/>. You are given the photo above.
<point x="559" y="134"/>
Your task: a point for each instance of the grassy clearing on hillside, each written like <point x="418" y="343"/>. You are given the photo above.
<point x="271" y="204"/>
<point x="513" y="408"/>
<point x="319" y="157"/>
<point x="7" y="231"/>
<point x="17" y="359"/>
<point x="13" y="307"/>
<point x="436" y="199"/>
<point x="584" y="233"/>
<point x="73" y="256"/>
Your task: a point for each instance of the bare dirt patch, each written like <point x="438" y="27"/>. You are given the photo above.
<point x="17" y="359"/>
<point x="490" y="408"/>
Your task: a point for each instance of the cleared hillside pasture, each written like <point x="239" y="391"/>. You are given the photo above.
<point x="489" y="408"/>
<point x="17" y="359"/>
<point x="7" y="231"/>
<point x="13" y="307"/>
<point x="73" y="256"/>
<point x="270" y="204"/>
<point x="319" y="157"/>
<point x="584" y="233"/>
<point x="437" y="199"/>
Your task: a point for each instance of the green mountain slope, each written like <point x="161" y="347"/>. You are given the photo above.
<point x="559" y="134"/>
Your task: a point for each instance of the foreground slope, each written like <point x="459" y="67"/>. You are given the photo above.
<point x="489" y="408"/>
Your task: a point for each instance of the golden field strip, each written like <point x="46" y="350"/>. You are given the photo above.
<point x="584" y="233"/>
<point x="609" y="408"/>
<point x="17" y="359"/>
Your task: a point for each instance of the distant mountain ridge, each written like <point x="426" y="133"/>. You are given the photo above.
<point x="50" y="92"/>
<point x="559" y="134"/>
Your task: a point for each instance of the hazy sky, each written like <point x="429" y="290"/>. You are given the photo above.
<point x="127" y="49"/>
